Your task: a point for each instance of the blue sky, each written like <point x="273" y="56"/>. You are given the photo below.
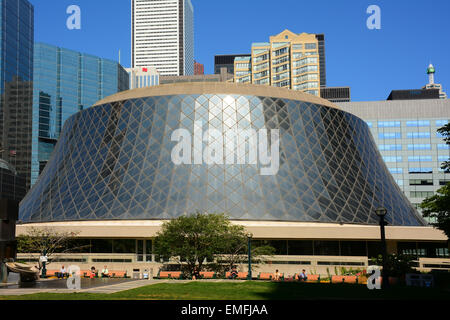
<point x="372" y="62"/>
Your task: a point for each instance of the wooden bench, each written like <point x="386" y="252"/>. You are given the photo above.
<point x="118" y="274"/>
<point x="51" y="273"/>
<point x="207" y="275"/>
<point x="344" y="279"/>
<point x="265" y="276"/>
<point x="169" y="275"/>
<point x="240" y="275"/>
<point x="309" y="277"/>
<point x="86" y="273"/>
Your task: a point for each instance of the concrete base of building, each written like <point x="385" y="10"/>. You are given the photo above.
<point x="136" y="264"/>
<point x="146" y="229"/>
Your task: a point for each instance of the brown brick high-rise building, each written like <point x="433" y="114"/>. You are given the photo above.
<point x="199" y="69"/>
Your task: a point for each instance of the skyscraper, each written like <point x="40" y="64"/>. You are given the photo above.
<point x="66" y="82"/>
<point x="199" y="69"/>
<point x="163" y="36"/>
<point x="16" y="77"/>
<point x="141" y="77"/>
<point x="289" y="60"/>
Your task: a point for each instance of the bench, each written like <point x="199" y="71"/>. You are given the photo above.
<point x="51" y="273"/>
<point x="241" y="275"/>
<point x="118" y="274"/>
<point x="87" y="273"/>
<point x="310" y="277"/>
<point x="344" y="279"/>
<point x="55" y="273"/>
<point x="169" y="275"/>
<point x="265" y="276"/>
<point x="208" y="275"/>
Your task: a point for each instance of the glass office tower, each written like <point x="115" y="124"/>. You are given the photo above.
<point x="16" y="76"/>
<point x="66" y="82"/>
<point x="405" y="132"/>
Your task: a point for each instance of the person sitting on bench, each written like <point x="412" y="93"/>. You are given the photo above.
<point x="62" y="273"/>
<point x="234" y="274"/>
<point x="105" y="272"/>
<point x="277" y="275"/>
<point x="93" y="273"/>
<point x="303" y="276"/>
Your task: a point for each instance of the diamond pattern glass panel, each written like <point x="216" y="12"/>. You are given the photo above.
<point x="113" y="161"/>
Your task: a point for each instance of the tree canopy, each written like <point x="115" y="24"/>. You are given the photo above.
<point x="196" y="239"/>
<point x="46" y="240"/>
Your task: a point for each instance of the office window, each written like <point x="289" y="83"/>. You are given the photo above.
<point x="443" y="158"/>
<point x="392" y="159"/>
<point x="390" y="147"/>
<point x="420" y="182"/>
<point x="419" y="146"/>
<point x="418" y="135"/>
<point x="420" y="158"/>
<point x="443" y="147"/>
<point x="388" y="124"/>
<point x="420" y="170"/>
<point x="395" y="170"/>
<point x="390" y="135"/>
<point x="418" y="123"/>
<point x="441" y="123"/>
<point x="421" y="194"/>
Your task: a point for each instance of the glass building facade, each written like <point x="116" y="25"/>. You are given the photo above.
<point x="405" y="132"/>
<point x="66" y="82"/>
<point x="16" y="83"/>
<point x="114" y="161"/>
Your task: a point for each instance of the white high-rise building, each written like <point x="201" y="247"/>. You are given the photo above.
<point x="163" y="36"/>
<point x="141" y="77"/>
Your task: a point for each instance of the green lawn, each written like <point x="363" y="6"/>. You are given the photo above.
<point x="246" y="291"/>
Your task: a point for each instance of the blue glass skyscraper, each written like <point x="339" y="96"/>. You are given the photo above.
<point x="66" y="82"/>
<point x="16" y="76"/>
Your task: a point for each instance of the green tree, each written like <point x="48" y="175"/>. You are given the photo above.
<point x="46" y="240"/>
<point x="203" y="242"/>
<point x="234" y="251"/>
<point x="445" y="132"/>
<point x="397" y="265"/>
<point x="437" y="207"/>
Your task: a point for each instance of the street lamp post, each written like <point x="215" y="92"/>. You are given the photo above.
<point x="249" y="237"/>
<point x="381" y="213"/>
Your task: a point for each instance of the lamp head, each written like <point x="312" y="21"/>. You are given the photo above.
<point x="381" y="212"/>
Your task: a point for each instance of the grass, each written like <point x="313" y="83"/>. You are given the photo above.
<point x="249" y="291"/>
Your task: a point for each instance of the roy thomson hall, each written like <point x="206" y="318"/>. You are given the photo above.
<point x="112" y="181"/>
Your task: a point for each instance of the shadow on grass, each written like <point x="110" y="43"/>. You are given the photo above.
<point x="323" y="291"/>
<point x="251" y="290"/>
